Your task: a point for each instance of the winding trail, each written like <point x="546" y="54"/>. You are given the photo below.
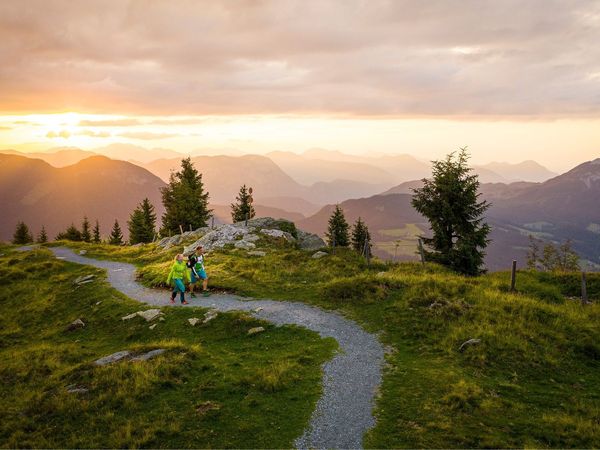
<point x="350" y="380"/>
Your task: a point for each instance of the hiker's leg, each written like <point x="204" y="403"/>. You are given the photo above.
<point x="181" y="288"/>
<point x="205" y="284"/>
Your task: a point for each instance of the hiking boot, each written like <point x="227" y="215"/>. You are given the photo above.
<point x="205" y="294"/>
<point x="184" y="303"/>
<point x="172" y="301"/>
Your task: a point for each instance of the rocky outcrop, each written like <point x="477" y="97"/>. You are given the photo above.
<point x="244" y="235"/>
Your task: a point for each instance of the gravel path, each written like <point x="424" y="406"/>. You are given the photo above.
<point x="350" y="381"/>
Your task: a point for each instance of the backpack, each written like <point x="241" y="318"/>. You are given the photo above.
<point x="191" y="262"/>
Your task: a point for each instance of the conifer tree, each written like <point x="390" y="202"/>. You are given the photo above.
<point x="43" y="236"/>
<point x="116" y="235"/>
<point x="142" y="223"/>
<point x="243" y="209"/>
<point x="22" y="234"/>
<point x="337" y="230"/>
<point x="361" y="238"/>
<point x="185" y="200"/>
<point x="86" y="236"/>
<point x="450" y="201"/>
<point x="70" y="234"/>
<point x="96" y="233"/>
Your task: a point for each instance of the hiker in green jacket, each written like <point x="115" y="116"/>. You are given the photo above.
<point x="178" y="275"/>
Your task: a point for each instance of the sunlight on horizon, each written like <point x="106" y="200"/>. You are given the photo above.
<point x="498" y="140"/>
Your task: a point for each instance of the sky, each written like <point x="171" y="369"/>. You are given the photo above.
<point x="512" y="80"/>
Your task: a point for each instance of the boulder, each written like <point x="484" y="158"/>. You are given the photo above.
<point x="309" y="241"/>
<point x="244" y="245"/>
<point x="250" y="237"/>
<point x="255" y="330"/>
<point x="319" y="255"/>
<point x="118" y="356"/>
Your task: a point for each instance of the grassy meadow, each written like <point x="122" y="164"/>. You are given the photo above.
<point x="532" y="380"/>
<point x="215" y="386"/>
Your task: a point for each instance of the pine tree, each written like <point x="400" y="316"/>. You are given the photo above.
<point x="43" y="236"/>
<point x="116" y="235"/>
<point x="361" y="238"/>
<point x="337" y="231"/>
<point x="86" y="236"/>
<point x="185" y="200"/>
<point x="96" y="233"/>
<point x="70" y="234"/>
<point x="142" y="222"/>
<point x="22" y="234"/>
<point x="243" y="209"/>
<point x="450" y="201"/>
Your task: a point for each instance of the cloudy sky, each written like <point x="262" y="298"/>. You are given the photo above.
<point x="512" y="79"/>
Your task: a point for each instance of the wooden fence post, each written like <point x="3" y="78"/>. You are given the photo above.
<point x="422" y="251"/>
<point x="584" y="295"/>
<point x="513" y="276"/>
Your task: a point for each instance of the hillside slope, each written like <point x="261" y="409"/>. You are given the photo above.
<point x="33" y="191"/>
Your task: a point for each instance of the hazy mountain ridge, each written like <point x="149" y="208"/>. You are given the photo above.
<point x="33" y="191"/>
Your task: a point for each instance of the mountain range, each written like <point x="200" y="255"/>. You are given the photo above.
<point x="565" y="206"/>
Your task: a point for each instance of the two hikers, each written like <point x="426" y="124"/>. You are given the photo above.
<point x="190" y="272"/>
<point x="196" y="266"/>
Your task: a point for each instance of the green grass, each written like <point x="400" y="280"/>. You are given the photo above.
<point x="215" y="386"/>
<point x="532" y="381"/>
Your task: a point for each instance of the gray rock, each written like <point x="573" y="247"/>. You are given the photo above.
<point x="255" y="330"/>
<point x="152" y="327"/>
<point x="210" y="315"/>
<point x="278" y="234"/>
<point x="250" y="237"/>
<point x="151" y="354"/>
<point x="193" y="321"/>
<point x="84" y="279"/>
<point x="82" y="252"/>
<point x="150" y="314"/>
<point x="244" y="245"/>
<point x="75" y="325"/>
<point x="118" y="356"/>
<point x="309" y="241"/>
<point x="319" y="255"/>
<point x="257" y="253"/>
